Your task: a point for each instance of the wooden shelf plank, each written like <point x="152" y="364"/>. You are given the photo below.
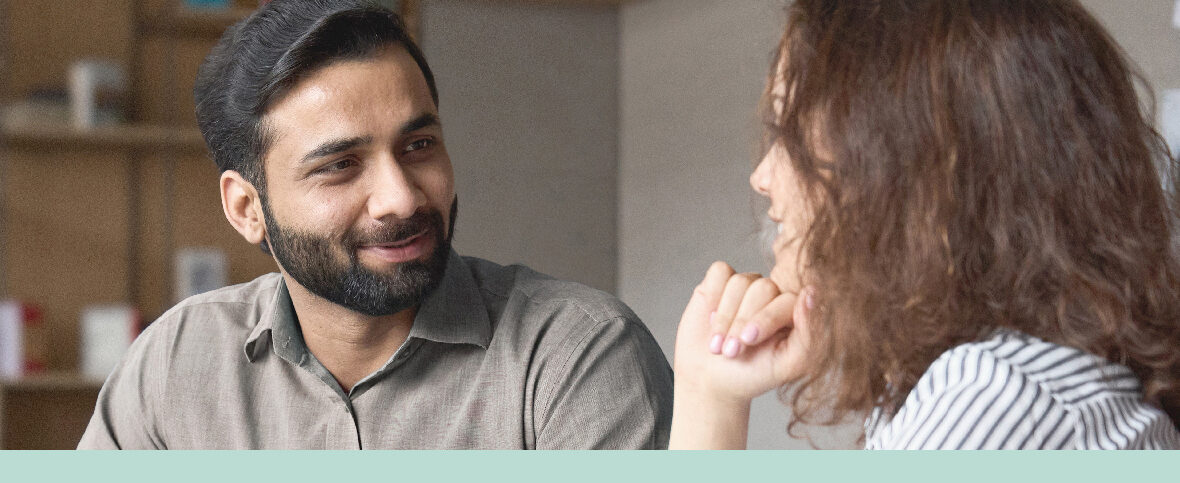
<point x="190" y="23"/>
<point x="61" y="381"/>
<point x="146" y="137"/>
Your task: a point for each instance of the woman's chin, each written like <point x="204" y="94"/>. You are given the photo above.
<point x="785" y="276"/>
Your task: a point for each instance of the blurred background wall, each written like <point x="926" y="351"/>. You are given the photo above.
<point x="607" y="142"/>
<point x="528" y="99"/>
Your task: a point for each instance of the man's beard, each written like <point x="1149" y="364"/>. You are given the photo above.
<point x="313" y="261"/>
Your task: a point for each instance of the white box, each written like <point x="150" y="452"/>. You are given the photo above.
<point x="12" y="336"/>
<point x="107" y="332"/>
<point x="97" y="88"/>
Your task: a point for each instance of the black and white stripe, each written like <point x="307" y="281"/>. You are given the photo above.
<point x="1013" y="391"/>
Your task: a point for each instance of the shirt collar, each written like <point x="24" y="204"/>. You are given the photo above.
<point x="453" y="314"/>
<point x="278" y="323"/>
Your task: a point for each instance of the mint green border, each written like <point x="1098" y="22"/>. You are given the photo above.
<point x="579" y="466"/>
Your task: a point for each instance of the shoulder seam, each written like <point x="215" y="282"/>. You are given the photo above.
<point x="572" y="302"/>
<point x="565" y="363"/>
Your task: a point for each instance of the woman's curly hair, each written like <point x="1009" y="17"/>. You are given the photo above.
<point x="968" y="166"/>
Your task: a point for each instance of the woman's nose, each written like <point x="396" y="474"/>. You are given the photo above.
<point x="760" y="178"/>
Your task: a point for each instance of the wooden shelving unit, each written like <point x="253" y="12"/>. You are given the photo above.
<point x="146" y="163"/>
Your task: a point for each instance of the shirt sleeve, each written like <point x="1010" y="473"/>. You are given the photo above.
<point x="612" y="389"/>
<point x="125" y="415"/>
<point x="972" y="400"/>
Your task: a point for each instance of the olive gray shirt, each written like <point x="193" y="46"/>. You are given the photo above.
<point x="498" y="358"/>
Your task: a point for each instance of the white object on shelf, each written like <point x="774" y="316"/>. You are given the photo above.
<point x="19" y="349"/>
<point x="12" y="336"/>
<point x="1176" y="15"/>
<point x="107" y="332"/>
<point x="97" y="88"/>
<point x="199" y="270"/>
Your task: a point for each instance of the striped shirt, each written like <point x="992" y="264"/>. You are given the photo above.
<point x="1014" y="391"/>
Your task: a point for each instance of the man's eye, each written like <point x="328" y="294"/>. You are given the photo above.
<point x="340" y="165"/>
<point x="420" y="144"/>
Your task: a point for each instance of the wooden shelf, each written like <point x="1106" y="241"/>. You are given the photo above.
<point x="47" y="411"/>
<point x="200" y="24"/>
<point x="63" y="381"/>
<point x="46" y="136"/>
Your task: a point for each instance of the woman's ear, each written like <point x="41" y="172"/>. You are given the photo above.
<point x="242" y="207"/>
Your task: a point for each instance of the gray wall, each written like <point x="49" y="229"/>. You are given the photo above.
<point x="1144" y="29"/>
<point x="529" y="106"/>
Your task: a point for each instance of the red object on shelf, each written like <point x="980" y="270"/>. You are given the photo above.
<point x="32" y="314"/>
<point x="21" y="350"/>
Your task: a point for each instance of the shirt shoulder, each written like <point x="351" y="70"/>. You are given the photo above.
<point x="193" y="341"/>
<point x="555" y="318"/>
<point x="234" y="307"/>
<point x="1014" y="391"/>
<point x="536" y="292"/>
<point x="212" y="324"/>
<point x="598" y="378"/>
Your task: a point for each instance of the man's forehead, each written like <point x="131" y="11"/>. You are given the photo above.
<point x="349" y="98"/>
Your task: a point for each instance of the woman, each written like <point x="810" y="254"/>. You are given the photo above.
<point x="975" y="248"/>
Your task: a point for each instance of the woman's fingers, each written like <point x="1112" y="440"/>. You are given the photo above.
<point x="731" y="300"/>
<point x="790" y="354"/>
<point x="694" y="324"/>
<point x="760" y="293"/>
<point x="707" y="295"/>
<point x="772" y="317"/>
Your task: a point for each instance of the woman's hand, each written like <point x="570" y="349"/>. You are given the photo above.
<point x="739" y="337"/>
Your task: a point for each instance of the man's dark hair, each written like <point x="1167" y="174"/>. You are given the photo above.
<point x="259" y="59"/>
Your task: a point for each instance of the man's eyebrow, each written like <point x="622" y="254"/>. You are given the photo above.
<point x="422" y="121"/>
<point x="336" y="146"/>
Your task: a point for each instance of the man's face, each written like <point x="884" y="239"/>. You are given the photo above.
<point x="360" y="192"/>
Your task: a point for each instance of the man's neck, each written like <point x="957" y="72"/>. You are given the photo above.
<point x="349" y="344"/>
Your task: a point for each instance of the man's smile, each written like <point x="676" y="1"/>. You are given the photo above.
<point x="404" y="250"/>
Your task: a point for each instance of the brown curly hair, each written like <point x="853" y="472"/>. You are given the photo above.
<point x="972" y="165"/>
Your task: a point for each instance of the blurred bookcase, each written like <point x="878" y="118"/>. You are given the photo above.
<point x="93" y="216"/>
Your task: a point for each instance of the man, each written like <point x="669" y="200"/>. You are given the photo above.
<point x="322" y="116"/>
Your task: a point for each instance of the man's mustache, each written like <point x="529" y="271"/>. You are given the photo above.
<point x="396" y="232"/>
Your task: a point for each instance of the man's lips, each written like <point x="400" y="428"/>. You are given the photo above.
<point x="403" y="250"/>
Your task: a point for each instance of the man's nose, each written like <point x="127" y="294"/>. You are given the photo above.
<point x="393" y="192"/>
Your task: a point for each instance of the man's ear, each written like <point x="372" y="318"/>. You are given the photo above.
<point x="242" y="207"/>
